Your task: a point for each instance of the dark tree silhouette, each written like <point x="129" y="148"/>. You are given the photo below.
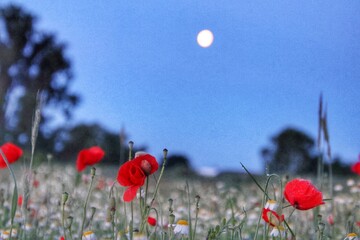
<point x="30" y="61"/>
<point x="71" y="141"/>
<point x="292" y="151"/>
<point x="178" y="161"/>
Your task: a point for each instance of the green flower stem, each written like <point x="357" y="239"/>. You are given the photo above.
<point x="87" y="201"/>
<point x="158" y="181"/>
<point x="189" y="209"/>
<point x="288" y="227"/>
<point x="63" y="219"/>
<point x="197" y="198"/>
<point x="143" y="206"/>
<point x="153" y="232"/>
<point x="253" y="178"/>
<point x="15" y="193"/>
<point x="131" y="227"/>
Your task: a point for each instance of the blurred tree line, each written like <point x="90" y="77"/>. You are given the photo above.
<point x="33" y="61"/>
<point x="294" y="152"/>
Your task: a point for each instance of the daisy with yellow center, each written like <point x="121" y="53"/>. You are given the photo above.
<point x="89" y="235"/>
<point x="182" y="228"/>
<point x="271" y="205"/>
<point x="139" y="236"/>
<point x="351" y="236"/>
<point x="277" y="231"/>
<point x="6" y="234"/>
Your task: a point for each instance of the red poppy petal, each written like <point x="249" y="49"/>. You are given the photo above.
<point x="11" y="152"/>
<point x="88" y="157"/>
<point x="272" y="217"/>
<point x="302" y="194"/>
<point x="123" y="176"/>
<point x="130" y="193"/>
<point x="94" y="155"/>
<point x="80" y="166"/>
<point x="136" y="175"/>
<point x="151" y="221"/>
<point x="151" y="161"/>
<point x="356" y="168"/>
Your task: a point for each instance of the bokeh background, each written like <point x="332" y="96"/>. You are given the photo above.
<point x="135" y="70"/>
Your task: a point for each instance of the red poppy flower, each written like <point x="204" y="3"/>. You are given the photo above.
<point x="11" y="152"/>
<point x="302" y="194"/>
<point x="151" y="221"/>
<point x="20" y="200"/>
<point x="132" y="174"/>
<point x="356" y="167"/>
<point x="330" y="220"/>
<point x="36" y="183"/>
<point x="88" y="157"/>
<point x="272" y="217"/>
<point x="62" y="238"/>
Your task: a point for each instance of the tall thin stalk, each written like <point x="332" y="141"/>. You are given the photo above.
<point x="131" y="227"/>
<point x="93" y="170"/>
<point x="15" y="193"/>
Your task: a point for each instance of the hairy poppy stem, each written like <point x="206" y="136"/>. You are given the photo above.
<point x="93" y="170"/>
<point x="197" y="200"/>
<point x="189" y="210"/>
<point x="64" y="198"/>
<point x="165" y="151"/>
<point x="153" y="232"/>
<point x="131" y="227"/>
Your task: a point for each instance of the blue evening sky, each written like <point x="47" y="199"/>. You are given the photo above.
<point x="137" y="65"/>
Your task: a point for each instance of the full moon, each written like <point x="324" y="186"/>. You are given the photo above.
<point x="205" y="38"/>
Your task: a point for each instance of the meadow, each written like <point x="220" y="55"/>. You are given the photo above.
<point x="54" y="201"/>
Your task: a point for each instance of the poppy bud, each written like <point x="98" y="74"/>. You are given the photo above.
<point x="146" y="167"/>
<point x="68" y="222"/>
<point x="165" y="152"/>
<point x="112" y="204"/>
<point x="171" y="219"/>
<point x="64" y="198"/>
<point x="131" y="145"/>
<point x="151" y="221"/>
<point x="92" y="172"/>
<point x="170" y="205"/>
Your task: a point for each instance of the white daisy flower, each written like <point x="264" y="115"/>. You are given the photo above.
<point x="277" y="231"/>
<point x="351" y="236"/>
<point x="182" y="228"/>
<point x="89" y="235"/>
<point x="271" y="204"/>
<point x="6" y="234"/>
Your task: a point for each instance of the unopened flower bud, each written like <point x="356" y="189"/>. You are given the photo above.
<point x="93" y="210"/>
<point x="197" y="199"/>
<point x="68" y="222"/>
<point x="92" y="172"/>
<point x="131" y="145"/>
<point x="223" y="221"/>
<point x="171" y="219"/>
<point x="109" y="215"/>
<point x="146" y="167"/>
<point x="321" y="226"/>
<point x="64" y="198"/>
<point x="165" y="152"/>
<point x="170" y="205"/>
<point x="112" y="204"/>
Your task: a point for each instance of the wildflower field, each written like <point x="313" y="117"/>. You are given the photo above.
<point x="142" y="200"/>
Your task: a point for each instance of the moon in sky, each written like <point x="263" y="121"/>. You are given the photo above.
<point x="205" y="38"/>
